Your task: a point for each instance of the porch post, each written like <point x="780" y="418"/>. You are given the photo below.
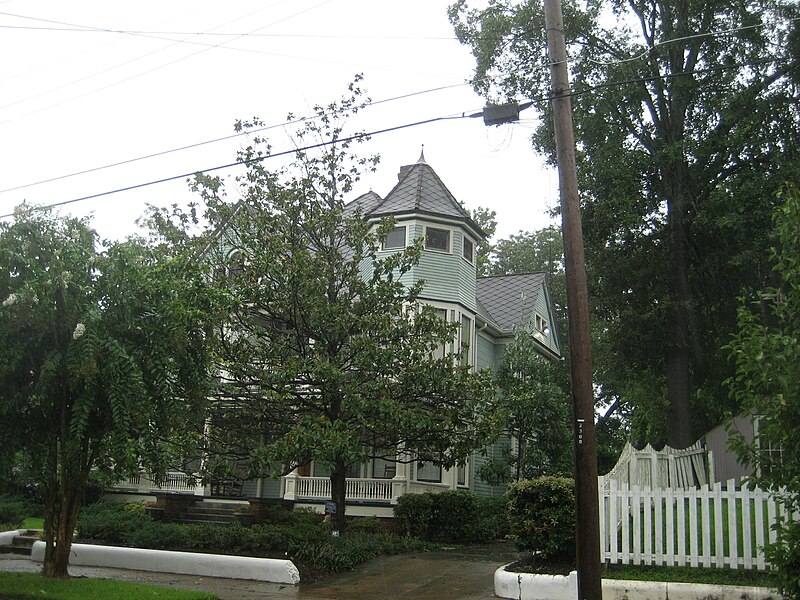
<point x="290" y="489"/>
<point x="398" y="482"/>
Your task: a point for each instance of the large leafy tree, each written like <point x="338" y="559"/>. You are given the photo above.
<point x="330" y="357"/>
<point x="685" y="114"/>
<point x="537" y="415"/>
<point x="103" y="360"/>
<point x="766" y="353"/>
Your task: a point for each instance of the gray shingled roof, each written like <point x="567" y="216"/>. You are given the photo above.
<point x="508" y="300"/>
<point x="366" y="202"/>
<point x="419" y="190"/>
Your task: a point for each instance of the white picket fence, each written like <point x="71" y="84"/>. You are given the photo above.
<point x="709" y="526"/>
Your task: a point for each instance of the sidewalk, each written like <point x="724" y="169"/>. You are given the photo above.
<point x="461" y="574"/>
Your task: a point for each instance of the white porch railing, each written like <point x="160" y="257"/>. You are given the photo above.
<point x="319" y="488"/>
<point x="174" y="482"/>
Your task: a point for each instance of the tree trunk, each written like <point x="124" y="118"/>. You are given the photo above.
<point x="338" y="489"/>
<point x="56" y="561"/>
<point x="679" y="427"/>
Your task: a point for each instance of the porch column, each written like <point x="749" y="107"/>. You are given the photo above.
<point x="290" y="485"/>
<point x="399" y="482"/>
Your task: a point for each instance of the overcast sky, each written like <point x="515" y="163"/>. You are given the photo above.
<point x="86" y="84"/>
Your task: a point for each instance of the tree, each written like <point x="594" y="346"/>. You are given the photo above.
<point x="537" y="415"/>
<point x="766" y="355"/>
<point x="487" y="220"/>
<point x="330" y="356"/>
<point x="103" y="360"/>
<point x="685" y="111"/>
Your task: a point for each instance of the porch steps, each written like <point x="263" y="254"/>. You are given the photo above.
<point x="22" y="544"/>
<point x="219" y="513"/>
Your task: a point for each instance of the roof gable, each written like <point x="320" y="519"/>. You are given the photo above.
<point x="509" y="300"/>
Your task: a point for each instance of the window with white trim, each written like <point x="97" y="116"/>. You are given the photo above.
<point x="428" y="471"/>
<point x="466" y="339"/>
<point x="541" y="325"/>
<point x="437" y="239"/>
<point x="395" y="239"/>
<point x="469" y="249"/>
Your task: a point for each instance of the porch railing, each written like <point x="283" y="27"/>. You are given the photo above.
<point x="319" y="488"/>
<point x="174" y="482"/>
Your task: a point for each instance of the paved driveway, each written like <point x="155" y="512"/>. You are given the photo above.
<point x="464" y="573"/>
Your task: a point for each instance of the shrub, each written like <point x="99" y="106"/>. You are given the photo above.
<point x="541" y="516"/>
<point x="159" y="536"/>
<point x="111" y="522"/>
<point x="454" y="516"/>
<point x="413" y="513"/>
<point x="13" y="510"/>
<point x="365" y="525"/>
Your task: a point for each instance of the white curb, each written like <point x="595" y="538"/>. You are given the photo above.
<point x="7" y="537"/>
<point x="530" y="586"/>
<point x="185" y="563"/>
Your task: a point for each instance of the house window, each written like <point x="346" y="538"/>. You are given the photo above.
<point x="466" y="337"/>
<point x="469" y="249"/>
<point x="383" y="468"/>
<point x="437" y="239"/>
<point x="541" y="325"/>
<point x="461" y="475"/>
<point x="395" y="239"/>
<point x="428" y="471"/>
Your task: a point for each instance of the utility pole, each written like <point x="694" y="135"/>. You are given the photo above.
<point x="580" y="349"/>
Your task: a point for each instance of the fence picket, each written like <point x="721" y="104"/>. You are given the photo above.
<point x="719" y="547"/>
<point x="733" y="529"/>
<point x="747" y="540"/>
<point x="693" y="525"/>
<point x="705" y="505"/>
<point x="658" y="505"/>
<point x="759" y="505"/>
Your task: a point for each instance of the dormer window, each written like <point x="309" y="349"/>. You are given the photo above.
<point x="437" y="239"/>
<point x="469" y="249"/>
<point x="541" y="325"/>
<point x="395" y="239"/>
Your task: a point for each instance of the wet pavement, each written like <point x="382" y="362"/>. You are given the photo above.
<point x="456" y="574"/>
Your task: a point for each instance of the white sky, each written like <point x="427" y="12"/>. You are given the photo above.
<point x="78" y="100"/>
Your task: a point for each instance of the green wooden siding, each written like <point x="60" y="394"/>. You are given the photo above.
<point x="478" y="486"/>
<point x="486" y="356"/>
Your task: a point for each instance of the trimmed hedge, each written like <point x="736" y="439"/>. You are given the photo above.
<point x="303" y="536"/>
<point x="454" y="516"/>
<point x="13" y="510"/>
<point x="541" y="515"/>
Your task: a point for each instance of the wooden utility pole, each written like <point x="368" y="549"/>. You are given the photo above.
<point x="580" y="349"/>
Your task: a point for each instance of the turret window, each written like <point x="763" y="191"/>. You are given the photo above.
<point x="437" y="239"/>
<point x="469" y="249"/>
<point x="395" y="239"/>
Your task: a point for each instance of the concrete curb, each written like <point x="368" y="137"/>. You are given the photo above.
<point x="185" y="563"/>
<point x="530" y="586"/>
<point x="7" y="537"/>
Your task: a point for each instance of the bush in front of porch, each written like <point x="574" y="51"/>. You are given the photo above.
<point x="299" y="535"/>
<point x="454" y="516"/>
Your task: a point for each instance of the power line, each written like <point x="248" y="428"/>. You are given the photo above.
<point x="355" y="137"/>
<point x="538" y="100"/>
<point x="219" y="139"/>
<point x="88" y="29"/>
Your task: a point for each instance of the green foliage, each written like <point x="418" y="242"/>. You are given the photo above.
<point x="342" y="554"/>
<point x="766" y="354"/>
<point x="537" y="413"/>
<point x="13" y="511"/>
<point x="110" y="522"/>
<point x="104" y="358"/>
<point x="674" y="154"/>
<point x="541" y="516"/>
<point x="366" y="525"/>
<point x="453" y="516"/>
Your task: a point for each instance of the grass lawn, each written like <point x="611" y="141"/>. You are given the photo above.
<point x="691" y="575"/>
<point x="31" y="585"/>
<point x="33" y="523"/>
